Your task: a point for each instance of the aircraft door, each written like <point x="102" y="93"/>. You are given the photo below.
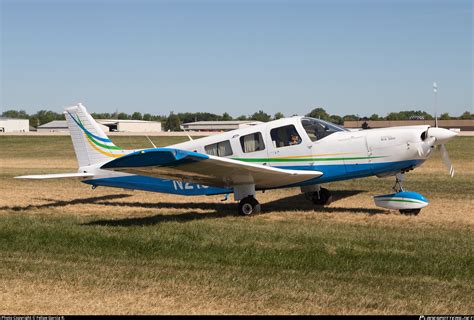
<point x="355" y="153"/>
<point x="286" y="145"/>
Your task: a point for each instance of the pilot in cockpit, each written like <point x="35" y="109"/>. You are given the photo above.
<point x="294" y="139"/>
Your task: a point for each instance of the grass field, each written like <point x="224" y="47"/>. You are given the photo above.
<point x="65" y="248"/>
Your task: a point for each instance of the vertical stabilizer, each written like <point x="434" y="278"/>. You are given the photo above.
<point x="91" y="144"/>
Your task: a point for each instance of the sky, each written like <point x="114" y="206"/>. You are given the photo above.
<point x="349" y="57"/>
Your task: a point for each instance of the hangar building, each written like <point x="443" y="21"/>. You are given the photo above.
<point x="14" y="125"/>
<point x="108" y="125"/>
<point x="217" y="125"/>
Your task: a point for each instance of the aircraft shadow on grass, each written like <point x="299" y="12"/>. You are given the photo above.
<point x="222" y="210"/>
<point x="219" y="210"/>
<point x="62" y="203"/>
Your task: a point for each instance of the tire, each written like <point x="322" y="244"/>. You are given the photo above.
<point x="249" y="206"/>
<point x="322" y="198"/>
<point x="410" y="212"/>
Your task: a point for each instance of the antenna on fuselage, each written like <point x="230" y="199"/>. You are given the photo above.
<point x="189" y="136"/>
<point x="435" y="93"/>
<point x="151" y="141"/>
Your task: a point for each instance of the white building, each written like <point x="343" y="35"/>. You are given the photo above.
<point x="217" y="125"/>
<point x="14" y="125"/>
<point x="131" y="125"/>
<point x="108" y="125"/>
<point x="60" y="126"/>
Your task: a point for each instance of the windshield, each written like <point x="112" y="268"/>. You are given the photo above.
<point x="318" y="129"/>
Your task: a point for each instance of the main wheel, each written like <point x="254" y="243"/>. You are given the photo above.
<point x="410" y="212"/>
<point x="323" y="197"/>
<point x="248" y="206"/>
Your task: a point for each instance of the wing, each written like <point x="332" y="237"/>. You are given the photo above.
<point x="176" y="164"/>
<point x="57" y="176"/>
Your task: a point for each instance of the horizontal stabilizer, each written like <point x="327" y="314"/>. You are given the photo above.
<point x="188" y="166"/>
<point x="57" y="176"/>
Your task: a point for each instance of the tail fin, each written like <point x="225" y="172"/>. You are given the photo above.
<point x="90" y="142"/>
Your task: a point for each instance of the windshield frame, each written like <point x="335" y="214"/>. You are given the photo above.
<point x="329" y="128"/>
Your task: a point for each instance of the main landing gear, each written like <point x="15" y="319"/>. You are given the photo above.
<point x="323" y="197"/>
<point x="249" y="205"/>
<point x="319" y="196"/>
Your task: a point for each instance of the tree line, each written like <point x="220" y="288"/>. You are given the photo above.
<point x="173" y="121"/>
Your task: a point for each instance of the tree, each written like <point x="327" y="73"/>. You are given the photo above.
<point x="407" y="115"/>
<point x="444" y="116"/>
<point x="336" y="119"/>
<point x="466" y="116"/>
<point x="278" y="115"/>
<point x="123" y="116"/>
<point x="101" y="115"/>
<point x="15" y="114"/>
<point x="137" y="116"/>
<point x="173" y="122"/>
<point x="226" y="117"/>
<point x="350" y="117"/>
<point x="242" y="118"/>
<point x="45" y="116"/>
<point x="261" y="116"/>
<point x="147" y="117"/>
<point x="374" y="117"/>
<point x="319" y="113"/>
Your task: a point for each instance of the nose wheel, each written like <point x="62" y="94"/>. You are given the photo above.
<point x="398" y="187"/>
<point x="399" y="178"/>
<point x="249" y="206"/>
<point x="410" y="212"/>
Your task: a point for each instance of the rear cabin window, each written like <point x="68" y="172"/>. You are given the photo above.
<point x="220" y="149"/>
<point x="252" y="142"/>
<point x="285" y="136"/>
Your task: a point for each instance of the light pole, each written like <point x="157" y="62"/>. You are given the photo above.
<point x="435" y="93"/>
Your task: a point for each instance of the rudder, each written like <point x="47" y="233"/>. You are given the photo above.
<point x="90" y="143"/>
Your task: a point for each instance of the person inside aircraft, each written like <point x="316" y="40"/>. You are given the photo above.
<point x="285" y="136"/>
<point x="295" y="139"/>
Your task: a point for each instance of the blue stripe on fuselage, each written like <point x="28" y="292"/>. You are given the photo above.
<point x="332" y="173"/>
<point x="144" y="183"/>
<point x="337" y="172"/>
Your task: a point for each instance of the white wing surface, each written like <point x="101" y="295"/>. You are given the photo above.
<point x="176" y="164"/>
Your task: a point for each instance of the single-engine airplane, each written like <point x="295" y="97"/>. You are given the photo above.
<point x="291" y="152"/>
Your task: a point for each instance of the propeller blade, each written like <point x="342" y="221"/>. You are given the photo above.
<point x="447" y="162"/>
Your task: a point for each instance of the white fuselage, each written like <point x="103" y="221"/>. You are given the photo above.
<point x="340" y="155"/>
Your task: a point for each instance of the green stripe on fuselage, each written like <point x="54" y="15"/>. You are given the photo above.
<point x="302" y="159"/>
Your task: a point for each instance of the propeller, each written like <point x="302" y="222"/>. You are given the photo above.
<point x="435" y="136"/>
<point x="447" y="162"/>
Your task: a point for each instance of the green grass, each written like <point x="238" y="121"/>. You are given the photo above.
<point x="380" y="250"/>
<point x="249" y="258"/>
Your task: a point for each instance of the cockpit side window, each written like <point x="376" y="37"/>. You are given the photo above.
<point x="318" y="129"/>
<point x="285" y="136"/>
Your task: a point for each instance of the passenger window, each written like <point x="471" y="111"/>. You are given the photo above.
<point x="252" y="142"/>
<point x="285" y="136"/>
<point x="220" y="149"/>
